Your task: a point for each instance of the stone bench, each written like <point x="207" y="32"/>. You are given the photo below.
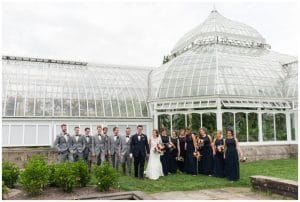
<point x="280" y="186"/>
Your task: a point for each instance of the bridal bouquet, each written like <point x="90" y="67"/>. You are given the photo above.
<point x="159" y="149"/>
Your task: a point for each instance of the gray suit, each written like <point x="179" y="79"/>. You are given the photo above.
<point x="114" y="148"/>
<point x="65" y="148"/>
<point x="125" y="153"/>
<point x="79" y="146"/>
<point x="99" y="148"/>
<point x="88" y="150"/>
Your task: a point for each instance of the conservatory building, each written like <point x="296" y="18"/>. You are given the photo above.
<point x="222" y="73"/>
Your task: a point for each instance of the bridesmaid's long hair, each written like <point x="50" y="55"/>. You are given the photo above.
<point x="231" y="130"/>
<point x="156" y="132"/>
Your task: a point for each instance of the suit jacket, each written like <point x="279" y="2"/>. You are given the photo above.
<point x="114" y="146"/>
<point x="62" y="145"/>
<point x="88" y="144"/>
<point x="79" y="145"/>
<point x="125" y="146"/>
<point x="99" y="146"/>
<point x="139" y="147"/>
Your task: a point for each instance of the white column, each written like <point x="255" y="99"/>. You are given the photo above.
<point x="171" y="123"/>
<point x="288" y="126"/>
<point x="260" y="134"/>
<point x="155" y="119"/>
<point x="296" y="125"/>
<point x="219" y="115"/>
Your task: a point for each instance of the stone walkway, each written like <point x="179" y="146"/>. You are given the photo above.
<point x="229" y="193"/>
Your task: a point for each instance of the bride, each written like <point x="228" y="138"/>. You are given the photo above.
<point x="154" y="167"/>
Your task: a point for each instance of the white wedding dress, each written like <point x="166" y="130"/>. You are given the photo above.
<point x="154" y="168"/>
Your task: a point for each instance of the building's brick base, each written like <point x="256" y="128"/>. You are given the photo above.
<point x="263" y="152"/>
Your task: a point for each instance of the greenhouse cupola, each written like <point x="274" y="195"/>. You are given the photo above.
<point x="218" y="29"/>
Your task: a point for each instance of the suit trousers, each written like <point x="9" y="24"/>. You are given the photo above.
<point x="100" y="157"/>
<point x="126" y="160"/>
<point x="77" y="156"/>
<point x="115" y="160"/>
<point x="139" y="163"/>
<point x="66" y="156"/>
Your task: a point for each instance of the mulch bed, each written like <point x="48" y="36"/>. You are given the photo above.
<point x="55" y="193"/>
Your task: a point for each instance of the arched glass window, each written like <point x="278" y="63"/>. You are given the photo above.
<point x="209" y="121"/>
<point x="280" y="122"/>
<point x="252" y="127"/>
<point x="178" y="122"/>
<point x="268" y="126"/>
<point x="241" y="126"/>
<point x="164" y="121"/>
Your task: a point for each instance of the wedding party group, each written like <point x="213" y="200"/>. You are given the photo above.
<point x="186" y="152"/>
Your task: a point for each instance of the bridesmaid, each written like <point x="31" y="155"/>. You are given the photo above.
<point x="206" y="151"/>
<point x="181" y="149"/>
<point x="218" y="143"/>
<point x="190" y="163"/>
<point x="173" y="153"/>
<point x="165" y="158"/>
<point x="232" y="167"/>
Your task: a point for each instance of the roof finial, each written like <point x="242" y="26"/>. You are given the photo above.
<point x="214" y="8"/>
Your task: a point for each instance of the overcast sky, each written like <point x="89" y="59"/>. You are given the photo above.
<point x="130" y="33"/>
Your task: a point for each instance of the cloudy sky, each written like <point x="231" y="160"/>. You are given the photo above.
<point x="130" y="33"/>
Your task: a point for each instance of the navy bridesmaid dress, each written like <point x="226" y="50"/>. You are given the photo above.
<point x="232" y="167"/>
<point x="173" y="155"/>
<point x="206" y="158"/>
<point x="190" y="163"/>
<point x="219" y="159"/>
<point x="182" y="153"/>
<point x="165" y="158"/>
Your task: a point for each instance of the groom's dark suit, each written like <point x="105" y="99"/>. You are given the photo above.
<point x="139" y="147"/>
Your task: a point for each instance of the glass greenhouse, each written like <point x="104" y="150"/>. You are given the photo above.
<point x="222" y="73"/>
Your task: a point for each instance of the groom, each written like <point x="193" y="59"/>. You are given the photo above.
<point x="139" y="149"/>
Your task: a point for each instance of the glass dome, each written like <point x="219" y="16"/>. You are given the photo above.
<point x="42" y="88"/>
<point x="218" y="25"/>
<point x="224" y="66"/>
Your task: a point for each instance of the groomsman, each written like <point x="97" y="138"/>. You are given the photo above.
<point x="99" y="146"/>
<point x="139" y="149"/>
<point x="105" y="130"/>
<point x="64" y="145"/>
<point x="114" y="144"/>
<point x="79" y="144"/>
<point x="125" y="151"/>
<point x="88" y="150"/>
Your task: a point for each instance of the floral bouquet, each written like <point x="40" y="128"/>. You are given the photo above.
<point x="170" y="146"/>
<point x="196" y="154"/>
<point x="179" y="158"/>
<point x="220" y="148"/>
<point x="159" y="149"/>
<point x="243" y="159"/>
<point x="200" y="143"/>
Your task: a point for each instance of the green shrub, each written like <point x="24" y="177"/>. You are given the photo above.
<point x="4" y="190"/>
<point x="35" y="177"/>
<point x="65" y="176"/>
<point x="52" y="180"/>
<point x="106" y="177"/>
<point x="10" y="173"/>
<point x="82" y="173"/>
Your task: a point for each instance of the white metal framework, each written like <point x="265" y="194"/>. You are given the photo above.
<point x="222" y="73"/>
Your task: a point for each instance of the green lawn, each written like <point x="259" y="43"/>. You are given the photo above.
<point x="284" y="168"/>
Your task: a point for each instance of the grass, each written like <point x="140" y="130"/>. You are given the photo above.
<point x="283" y="168"/>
